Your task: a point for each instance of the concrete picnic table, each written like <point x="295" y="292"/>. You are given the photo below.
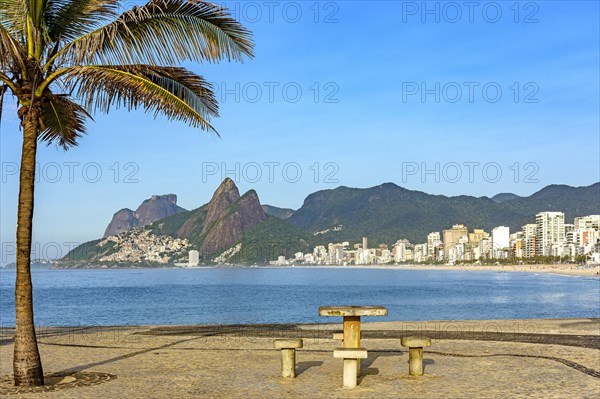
<point x="351" y="315"/>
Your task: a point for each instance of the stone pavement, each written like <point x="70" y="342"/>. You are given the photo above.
<point x="467" y="359"/>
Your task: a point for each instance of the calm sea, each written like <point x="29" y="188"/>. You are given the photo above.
<point x="292" y="295"/>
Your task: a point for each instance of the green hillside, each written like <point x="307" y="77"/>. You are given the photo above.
<point x="270" y="239"/>
<point x="186" y="224"/>
<point x="388" y="212"/>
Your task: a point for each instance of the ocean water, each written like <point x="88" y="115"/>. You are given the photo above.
<point x="292" y="295"/>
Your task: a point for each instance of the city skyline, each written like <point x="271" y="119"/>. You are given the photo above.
<point x="552" y="237"/>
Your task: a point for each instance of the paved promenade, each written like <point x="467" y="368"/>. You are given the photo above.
<point x="485" y="359"/>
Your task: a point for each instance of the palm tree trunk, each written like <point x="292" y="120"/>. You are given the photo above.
<point x="27" y="365"/>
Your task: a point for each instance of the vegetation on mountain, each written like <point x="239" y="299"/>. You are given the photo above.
<point x="573" y="201"/>
<point x="186" y="224"/>
<point x="269" y="240"/>
<point x="503" y="197"/>
<point x="281" y="213"/>
<point x="388" y="212"/>
<point x="89" y="250"/>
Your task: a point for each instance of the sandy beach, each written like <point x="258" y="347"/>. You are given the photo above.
<point x="556" y="358"/>
<point x="566" y="269"/>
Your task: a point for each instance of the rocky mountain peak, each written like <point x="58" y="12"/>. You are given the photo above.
<point x="172" y="198"/>
<point x="229" y="216"/>
<point x="123" y="220"/>
<point x="154" y="208"/>
<point x="251" y="210"/>
<point x="226" y="195"/>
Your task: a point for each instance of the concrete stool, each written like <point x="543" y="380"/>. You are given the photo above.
<point x="415" y="353"/>
<point x="339" y="336"/>
<point x="288" y="355"/>
<point x="350" y="356"/>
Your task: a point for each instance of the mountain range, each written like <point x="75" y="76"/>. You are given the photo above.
<point x="250" y="232"/>
<point x="388" y="212"/>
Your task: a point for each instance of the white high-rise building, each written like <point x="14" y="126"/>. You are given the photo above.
<point x="433" y="240"/>
<point x="194" y="258"/>
<point x="500" y="240"/>
<point x="529" y="237"/>
<point x="399" y="252"/>
<point x="420" y="252"/>
<point x="569" y="231"/>
<point x="483" y="249"/>
<point x="550" y="230"/>
<point x="338" y="253"/>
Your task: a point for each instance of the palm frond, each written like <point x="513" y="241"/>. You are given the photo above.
<point x="67" y="20"/>
<point x="63" y="121"/>
<point x="175" y="92"/>
<point x="12" y="18"/>
<point x="12" y="55"/>
<point x="163" y="32"/>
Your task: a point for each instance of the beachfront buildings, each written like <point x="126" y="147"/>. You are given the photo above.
<point x="548" y="236"/>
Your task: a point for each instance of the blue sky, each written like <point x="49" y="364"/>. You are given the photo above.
<point x="454" y="101"/>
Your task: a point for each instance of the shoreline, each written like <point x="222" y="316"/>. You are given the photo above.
<point x="560" y="269"/>
<point x="550" y="323"/>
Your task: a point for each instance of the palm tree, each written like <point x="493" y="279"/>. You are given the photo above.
<point x="63" y="60"/>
